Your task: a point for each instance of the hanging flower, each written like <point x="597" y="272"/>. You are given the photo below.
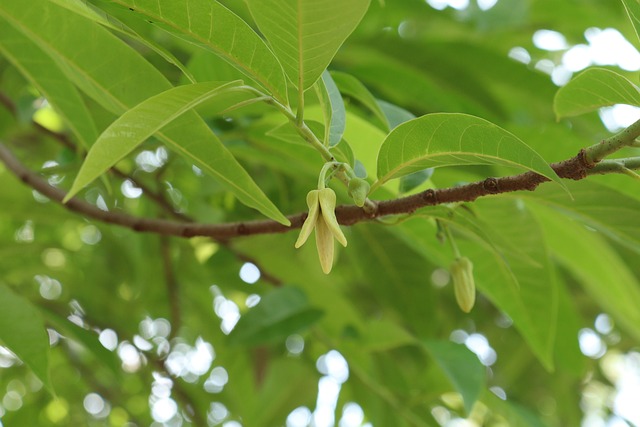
<point x="463" y="284"/>
<point x="322" y="218"/>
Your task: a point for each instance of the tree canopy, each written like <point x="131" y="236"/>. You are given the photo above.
<point x="319" y="212"/>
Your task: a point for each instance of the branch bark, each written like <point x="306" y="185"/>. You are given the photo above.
<point x="575" y="168"/>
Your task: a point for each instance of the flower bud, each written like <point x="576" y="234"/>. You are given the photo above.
<point x="463" y="284"/>
<point x="358" y="190"/>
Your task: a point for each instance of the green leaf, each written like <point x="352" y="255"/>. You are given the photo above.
<point x="515" y="414"/>
<point x="332" y="109"/>
<point x="101" y="65"/>
<point x="462" y="367"/>
<point x="50" y="81"/>
<point x="22" y="331"/>
<point x="306" y="34"/>
<point x="92" y="58"/>
<point x="598" y="268"/>
<point x="352" y="87"/>
<point x="149" y="117"/>
<point x="210" y="25"/>
<point x="445" y="139"/>
<point x="288" y="383"/>
<point x="87" y="338"/>
<point x="280" y="313"/>
<point x="415" y="179"/>
<point x="632" y="7"/>
<point x="593" y="89"/>
<point x="597" y="206"/>
<point x="526" y="292"/>
<point x="83" y="8"/>
<point x="395" y="115"/>
<point x="383" y="335"/>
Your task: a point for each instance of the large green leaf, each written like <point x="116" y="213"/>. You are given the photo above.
<point x="592" y="89"/>
<point x="149" y="117"/>
<point x="118" y="78"/>
<point x="462" y="367"/>
<point x="47" y="77"/>
<point x="446" y="139"/>
<point x="100" y="64"/>
<point x="280" y="313"/>
<point x="83" y="8"/>
<point x="306" y="34"/>
<point x="598" y="268"/>
<point x="22" y="330"/>
<point x="211" y="25"/>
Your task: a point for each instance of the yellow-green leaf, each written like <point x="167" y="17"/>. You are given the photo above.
<point x="593" y="89"/>
<point x="306" y="34"/>
<point x="446" y="139"/>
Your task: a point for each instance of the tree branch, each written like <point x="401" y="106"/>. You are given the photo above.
<point x="575" y="168"/>
<point x="586" y="162"/>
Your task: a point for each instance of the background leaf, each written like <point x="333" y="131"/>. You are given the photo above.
<point x="22" y="330"/>
<point x="462" y="367"/>
<point x="600" y="270"/>
<point x="279" y="313"/>
<point x="593" y="89"/>
<point x="352" y="87"/>
<point x="45" y="75"/>
<point x="599" y="207"/>
<point x="333" y="109"/>
<point x="633" y="11"/>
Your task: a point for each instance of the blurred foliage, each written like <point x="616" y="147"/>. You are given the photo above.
<point x="141" y="327"/>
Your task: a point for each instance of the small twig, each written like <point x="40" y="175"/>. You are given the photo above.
<point x="8" y="104"/>
<point x="173" y="291"/>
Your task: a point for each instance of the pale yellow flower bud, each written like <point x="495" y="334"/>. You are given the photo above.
<point x="322" y="218"/>
<point x="312" y="218"/>
<point x="463" y="284"/>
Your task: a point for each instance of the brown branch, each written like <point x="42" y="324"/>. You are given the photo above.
<point x="575" y="168"/>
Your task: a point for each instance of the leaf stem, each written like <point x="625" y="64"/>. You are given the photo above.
<point x="615" y="166"/>
<point x="452" y="242"/>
